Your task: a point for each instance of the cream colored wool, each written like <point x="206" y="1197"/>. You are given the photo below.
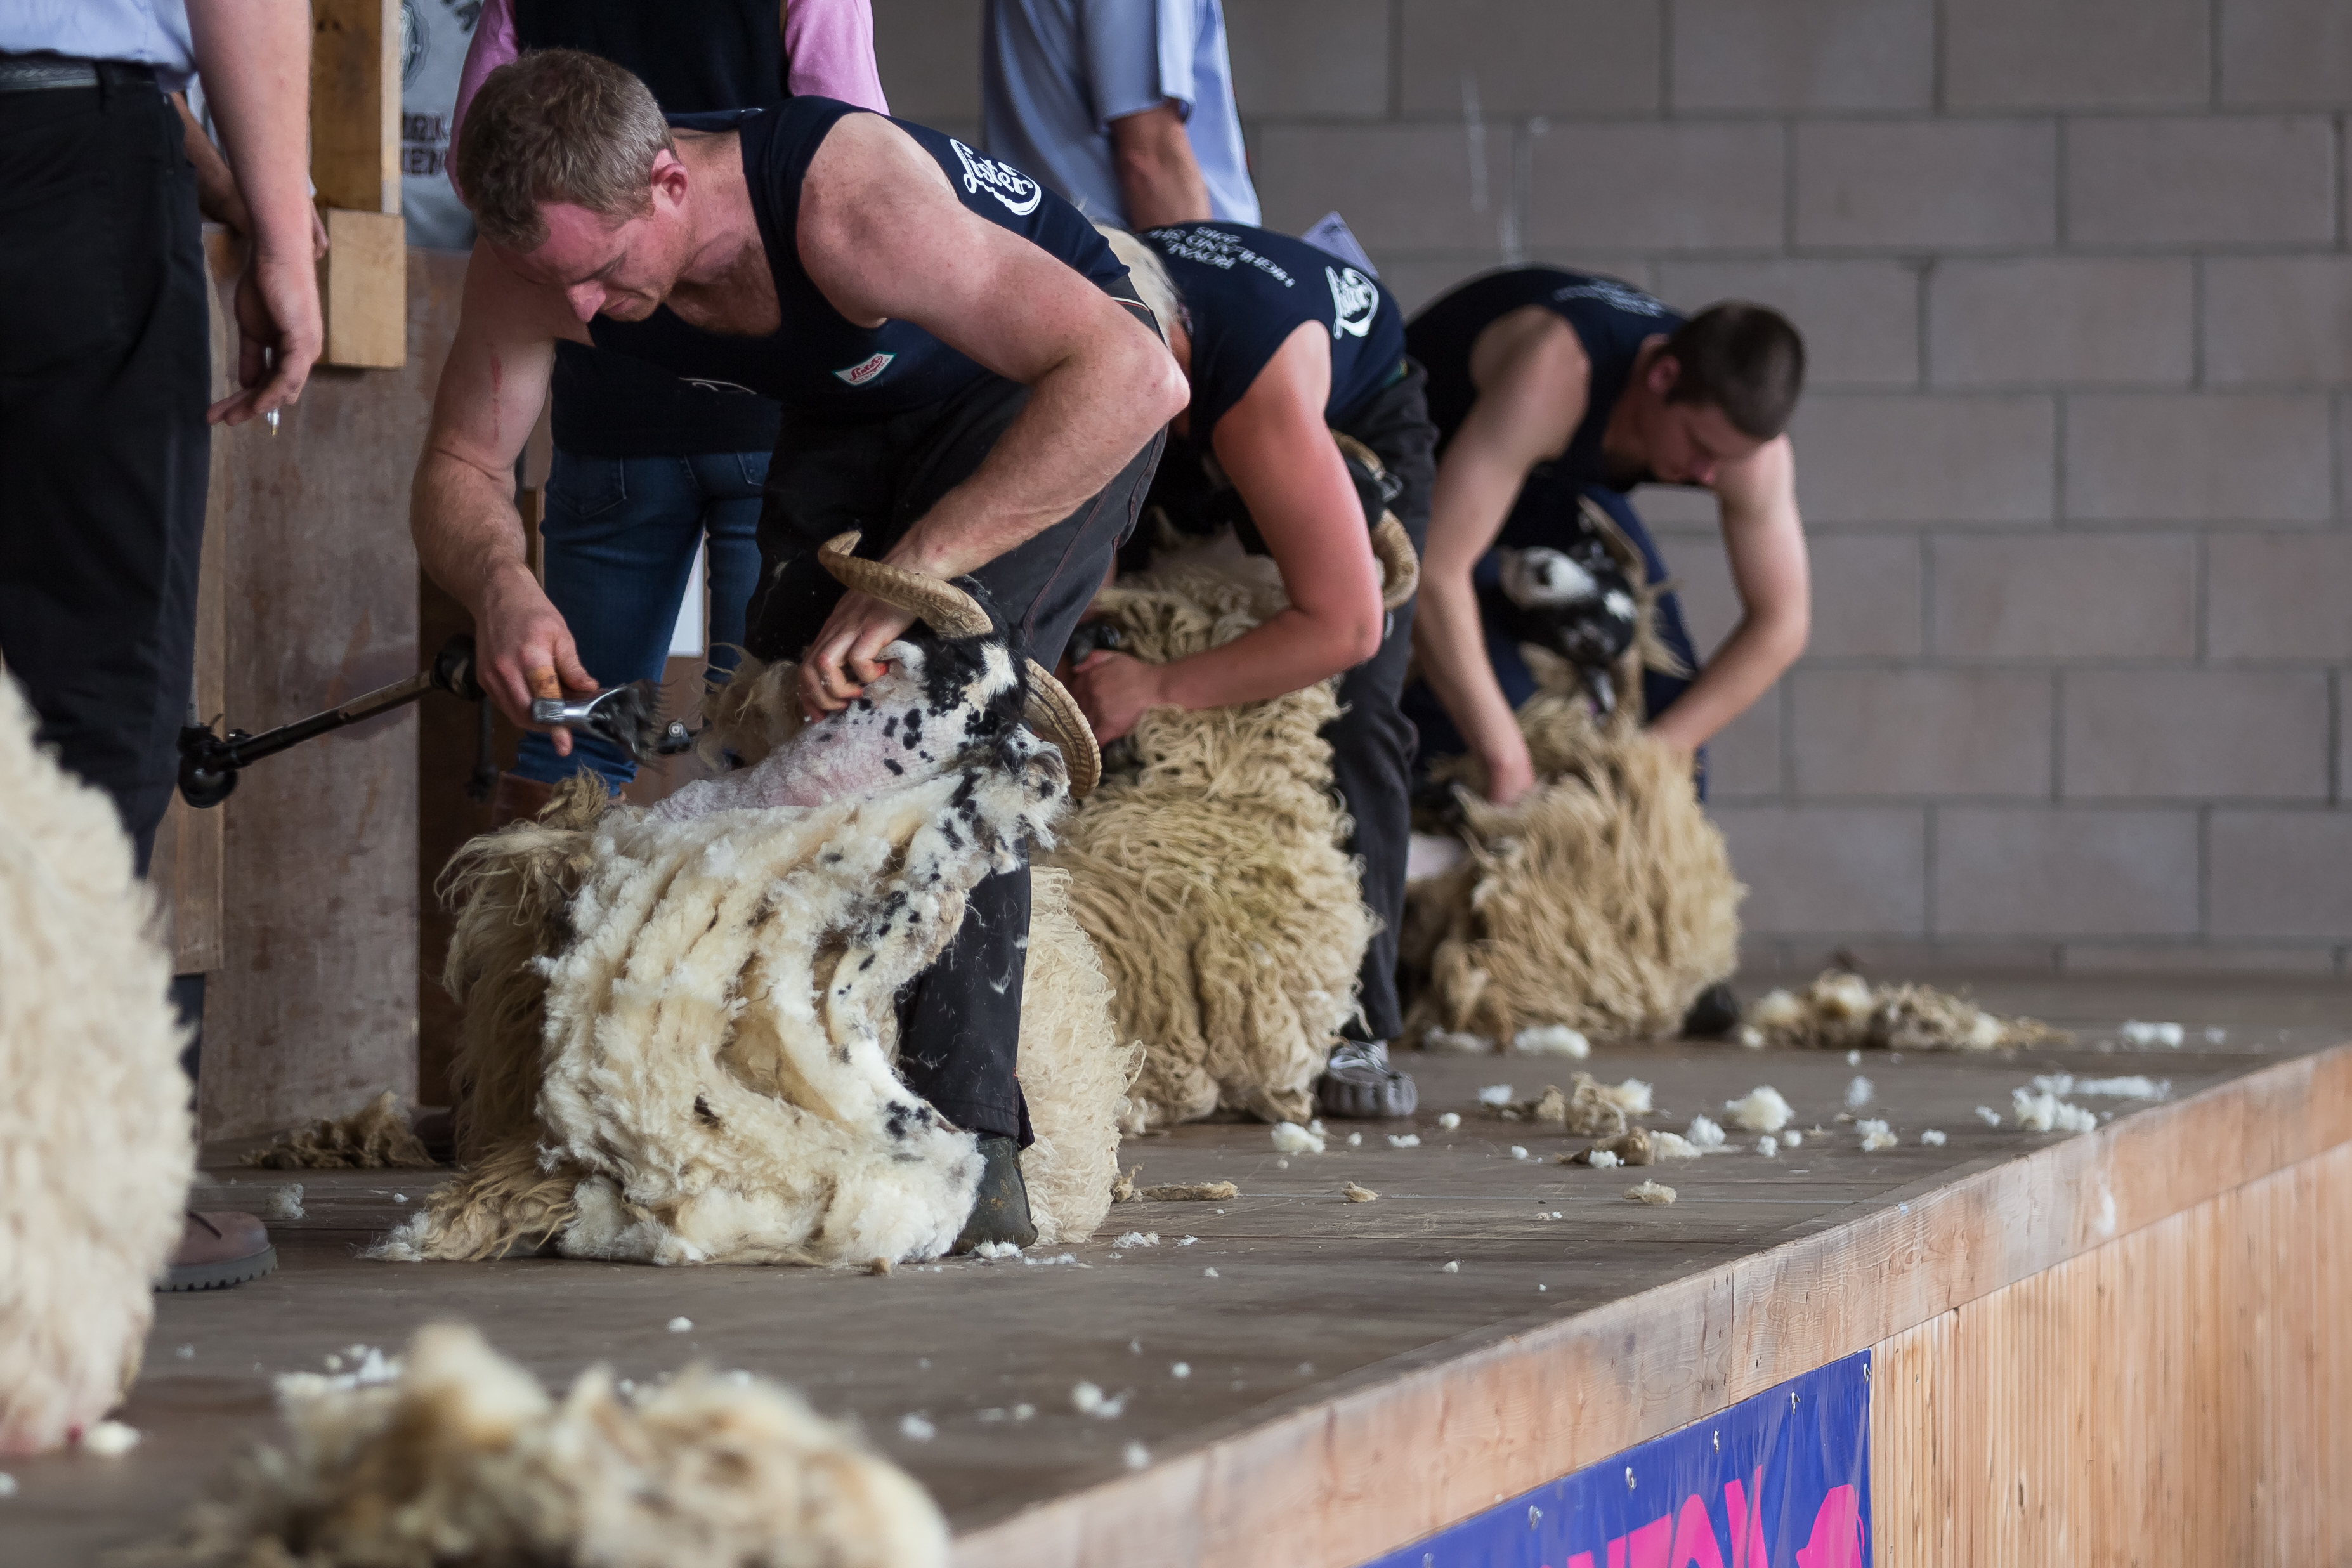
<point x="713" y="1063"/>
<point x="1841" y="1011"/>
<point x="466" y="1460"/>
<point x="1209" y="869"/>
<point x="1588" y="1108"/>
<point x="377" y="1136"/>
<point x="1603" y="901"/>
<point x="96" y="1145"/>
<point x="1074" y="1069"/>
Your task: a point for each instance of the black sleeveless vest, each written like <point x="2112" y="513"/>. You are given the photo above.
<point x="818" y="364"/>
<point x="1610" y="319"/>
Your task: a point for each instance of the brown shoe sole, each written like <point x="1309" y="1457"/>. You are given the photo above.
<point x="220" y="1274"/>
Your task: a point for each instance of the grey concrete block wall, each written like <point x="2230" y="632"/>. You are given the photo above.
<point x="2075" y="279"/>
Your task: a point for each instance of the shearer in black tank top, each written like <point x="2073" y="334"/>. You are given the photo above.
<point x="1282" y="342"/>
<point x="963" y="376"/>
<point x="1550" y="387"/>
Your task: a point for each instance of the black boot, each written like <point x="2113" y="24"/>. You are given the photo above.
<point x="1714" y="1015"/>
<point x="999" y="1211"/>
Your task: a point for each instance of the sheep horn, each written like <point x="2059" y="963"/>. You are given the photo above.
<point x="942" y="606"/>
<point x="1055" y="715"/>
<point x="1399" y="566"/>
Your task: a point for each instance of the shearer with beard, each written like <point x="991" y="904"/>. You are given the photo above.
<point x="1551" y="389"/>
<point x="965" y="373"/>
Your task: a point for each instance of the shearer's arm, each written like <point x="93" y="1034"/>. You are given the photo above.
<point x="1766" y="542"/>
<point x="882" y="235"/>
<point x="1274" y="447"/>
<point x="461" y="508"/>
<point x="1532" y="378"/>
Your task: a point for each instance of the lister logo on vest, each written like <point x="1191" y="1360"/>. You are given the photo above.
<point x="1017" y="190"/>
<point x="865" y="370"/>
<point x="1354" y="301"/>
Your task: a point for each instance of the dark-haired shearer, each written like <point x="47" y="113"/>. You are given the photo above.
<point x="1548" y="387"/>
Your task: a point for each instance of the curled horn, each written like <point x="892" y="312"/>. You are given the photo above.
<point x="1055" y="715"/>
<point x="944" y="607"/>
<point x="1400" y="568"/>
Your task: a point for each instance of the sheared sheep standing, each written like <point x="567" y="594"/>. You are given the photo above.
<point x="1209" y="867"/>
<point x="680" y="1021"/>
<point x="97" y="1148"/>
<point x="466" y="1459"/>
<point x="1603" y="900"/>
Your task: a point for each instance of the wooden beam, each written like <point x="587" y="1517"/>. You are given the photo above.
<point x="355" y="104"/>
<point x="363" y="289"/>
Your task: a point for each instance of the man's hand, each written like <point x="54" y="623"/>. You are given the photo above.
<point x="279" y="335"/>
<point x="1510" y="772"/>
<point x="845" y="657"/>
<point x="1115" y="690"/>
<point x="523" y="649"/>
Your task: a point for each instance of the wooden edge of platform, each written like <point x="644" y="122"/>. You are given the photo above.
<point x="1414" y="1443"/>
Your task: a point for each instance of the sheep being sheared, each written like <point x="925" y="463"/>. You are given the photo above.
<point x="464" y="1458"/>
<point x="1604" y="899"/>
<point x="1210" y="869"/>
<point x="680" y="1021"/>
<point x="96" y="1142"/>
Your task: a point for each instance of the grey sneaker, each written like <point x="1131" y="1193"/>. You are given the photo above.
<point x="218" y="1249"/>
<point x="1359" y="1084"/>
<point x="999" y="1211"/>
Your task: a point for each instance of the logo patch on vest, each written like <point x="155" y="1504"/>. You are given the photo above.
<point x="1355" y="299"/>
<point x="1610" y="293"/>
<point x="865" y="370"/>
<point x="1017" y="190"/>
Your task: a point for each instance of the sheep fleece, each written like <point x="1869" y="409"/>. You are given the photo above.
<point x="1209" y="867"/>
<point x="97" y="1148"/>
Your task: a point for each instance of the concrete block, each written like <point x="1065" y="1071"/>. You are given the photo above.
<point x="2051" y="320"/>
<point x="1803" y="55"/>
<point x="2278" y="595"/>
<point x="1921" y="732"/>
<point x="1889" y="959"/>
<point x="928" y="53"/>
<point x="1529" y="57"/>
<point x="1858" y="869"/>
<point x="1678" y="509"/>
<point x="1987" y="185"/>
<point x="1743" y="759"/>
<point x="2276" y="318"/>
<point x="2281" y="873"/>
<point x="2047" y="871"/>
<point x="2076" y="54"/>
<point x="1403" y="187"/>
<point x="2195" y="734"/>
<point x="2081" y="596"/>
<point x="2235" y="180"/>
<point x="2279" y="52"/>
<point x="1866" y="597"/>
<point x="1701" y="578"/>
<point x="1692" y="186"/>
<point x="2239" y="456"/>
<point x="2182" y="958"/>
<point x="1324" y="57"/>
<point x="1925" y="460"/>
<point x="1860" y="318"/>
<point x="1417" y="282"/>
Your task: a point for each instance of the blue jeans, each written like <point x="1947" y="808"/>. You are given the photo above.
<point x="618" y="539"/>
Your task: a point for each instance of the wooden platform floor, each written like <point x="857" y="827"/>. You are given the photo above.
<point x="1313" y="1296"/>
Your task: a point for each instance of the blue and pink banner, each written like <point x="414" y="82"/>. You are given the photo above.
<point x="1780" y="1480"/>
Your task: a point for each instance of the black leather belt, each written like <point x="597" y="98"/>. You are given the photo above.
<point x="40" y="73"/>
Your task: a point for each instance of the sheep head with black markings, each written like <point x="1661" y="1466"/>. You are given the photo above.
<point x="681" y="1022"/>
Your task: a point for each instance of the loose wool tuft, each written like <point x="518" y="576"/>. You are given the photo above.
<point x="377" y="1136"/>
<point x="1603" y="901"/>
<point x="97" y="1148"/>
<point x="1209" y="867"/>
<point x="1842" y="1011"/>
<point x="465" y="1459"/>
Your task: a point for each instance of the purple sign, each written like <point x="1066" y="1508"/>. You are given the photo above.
<point x="1780" y="1480"/>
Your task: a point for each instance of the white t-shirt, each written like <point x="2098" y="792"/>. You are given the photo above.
<point x="143" y="32"/>
<point x="433" y="36"/>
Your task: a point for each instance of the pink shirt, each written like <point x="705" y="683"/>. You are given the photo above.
<point x="828" y="53"/>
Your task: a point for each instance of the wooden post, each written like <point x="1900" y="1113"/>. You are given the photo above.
<point x="356" y="163"/>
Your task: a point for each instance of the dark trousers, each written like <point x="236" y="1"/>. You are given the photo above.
<point x="1372" y="743"/>
<point x="960" y="1023"/>
<point x="104" y="371"/>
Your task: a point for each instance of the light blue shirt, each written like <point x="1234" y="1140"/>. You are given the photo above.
<point x="143" y="32"/>
<point x="1056" y="73"/>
